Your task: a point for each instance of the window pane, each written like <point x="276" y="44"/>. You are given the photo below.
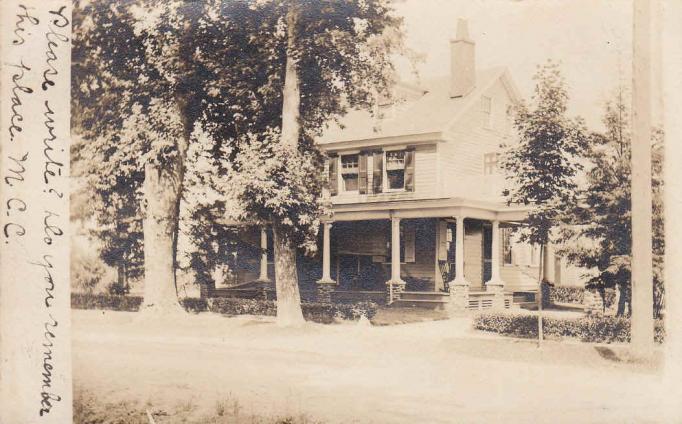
<point x="396" y="179"/>
<point x="490" y="163"/>
<point x="350" y="182"/>
<point x="486" y="104"/>
<point x="395" y="160"/>
<point x="349" y="163"/>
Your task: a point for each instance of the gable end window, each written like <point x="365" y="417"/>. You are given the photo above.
<point x="349" y="172"/>
<point x="490" y="161"/>
<point x="486" y="111"/>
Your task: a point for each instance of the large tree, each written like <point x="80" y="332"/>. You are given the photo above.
<point x="597" y="234"/>
<point x="310" y="62"/>
<point x="543" y="165"/>
<point x="138" y="92"/>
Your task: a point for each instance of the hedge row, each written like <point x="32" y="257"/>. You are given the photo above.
<point x="105" y="301"/>
<point x="575" y="295"/>
<point x="564" y="294"/>
<point x="312" y="311"/>
<point x="595" y="329"/>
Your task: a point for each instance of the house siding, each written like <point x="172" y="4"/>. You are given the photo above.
<point x="462" y="156"/>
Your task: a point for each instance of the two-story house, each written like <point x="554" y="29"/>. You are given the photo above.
<point x="418" y="213"/>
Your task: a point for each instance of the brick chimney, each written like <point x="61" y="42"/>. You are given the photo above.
<point x="462" y="61"/>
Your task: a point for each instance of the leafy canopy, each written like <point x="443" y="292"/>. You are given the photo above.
<point x="543" y="165"/>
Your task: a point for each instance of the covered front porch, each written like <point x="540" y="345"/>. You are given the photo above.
<point x="416" y="252"/>
<point x="412" y="260"/>
<point x="426" y="252"/>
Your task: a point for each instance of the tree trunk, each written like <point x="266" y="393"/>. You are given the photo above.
<point x="291" y="96"/>
<point x="286" y="280"/>
<point x="602" y="294"/>
<point x="622" y="299"/>
<point x="161" y="193"/>
<point x="543" y="252"/>
<point x="120" y="274"/>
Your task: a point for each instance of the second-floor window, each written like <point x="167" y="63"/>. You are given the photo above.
<point x="395" y="170"/>
<point x="349" y="172"/>
<point x="490" y="163"/>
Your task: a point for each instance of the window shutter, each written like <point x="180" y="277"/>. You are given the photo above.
<point x="378" y="172"/>
<point x="333" y="175"/>
<point x="409" y="170"/>
<point x="362" y="173"/>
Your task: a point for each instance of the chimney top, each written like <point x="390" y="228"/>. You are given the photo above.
<point x="462" y="30"/>
<point x="462" y="61"/>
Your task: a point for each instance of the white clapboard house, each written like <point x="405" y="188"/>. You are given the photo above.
<point x="418" y="213"/>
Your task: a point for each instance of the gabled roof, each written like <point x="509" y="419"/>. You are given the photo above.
<point x="433" y="112"/>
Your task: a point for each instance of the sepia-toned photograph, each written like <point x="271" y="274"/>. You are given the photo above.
<point x="357" y="211"/>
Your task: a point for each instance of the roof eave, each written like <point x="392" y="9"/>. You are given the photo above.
<point x="411" y="139"/>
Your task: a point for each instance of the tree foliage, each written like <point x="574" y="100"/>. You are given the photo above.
<point x="598" y="234"/>
<point x="542" y="167"/>
<point x="154" y="82"/>
<point x="342" y="53"/>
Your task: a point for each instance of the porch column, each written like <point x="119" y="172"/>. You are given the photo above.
<point x="326" y="255"/>
<point x="325" y="285"/>
<point x="459" y="287"/>
<point x="395" y="285"/>
<point x="264" y="255"/>
<point x="495" y="278"/>
<point x="495" y="284"/>
<point x="459" y="253"/>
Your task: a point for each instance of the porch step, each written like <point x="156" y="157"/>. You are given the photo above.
<point x="423" y="295"/>
<point x="420" y="303"/>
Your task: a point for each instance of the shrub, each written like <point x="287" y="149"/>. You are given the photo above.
<point x="576" y="294"/>
<point x="567" y="294"/>
<point x="87" y="273"/>
<point x="595" y="329"/>
<point x="117" y="288"/>
<point x="194" y="304"/>
<point x="105" y="301"/>
<point x="239" y="306"/>
<point x="324" y="313"/>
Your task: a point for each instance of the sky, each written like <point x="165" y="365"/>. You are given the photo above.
<point x="590" y="38"/>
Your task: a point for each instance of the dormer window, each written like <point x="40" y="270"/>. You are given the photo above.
<point x="349" y="172"/>
<point x="395" y="170"/>
<point x="486" y="111"/>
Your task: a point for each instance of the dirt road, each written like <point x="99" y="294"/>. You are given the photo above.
<point x="415" y="373"/>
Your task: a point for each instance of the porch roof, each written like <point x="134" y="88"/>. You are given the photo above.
<point x="428" y="208"/>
